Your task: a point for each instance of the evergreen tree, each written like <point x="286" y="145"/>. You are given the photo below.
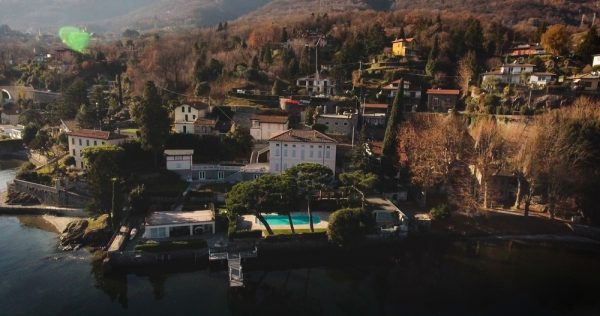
<point x="277" y="87"/>
<point x="359" y="158"/>
<point x="254" y="62"/>
<point x="431" y="59"/>
<point x="87" y="117"/>
<point x="154" y="122"/>
<point x="389" y="140"/>
<point x="284" y="35"/>
<point x="589" y="46"/>
<point x="72" y="99"/>
<point x="267" y="56"/>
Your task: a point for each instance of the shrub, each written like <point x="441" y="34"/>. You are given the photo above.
<point x="70" y="161"/>
<point x="440" y="212"/>
<point x="138" y="200"/>
<point x="346" y="226"/>
<point x="246" y="234"/>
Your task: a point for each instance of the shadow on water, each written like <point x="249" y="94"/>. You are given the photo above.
<point x="422" y="277"/>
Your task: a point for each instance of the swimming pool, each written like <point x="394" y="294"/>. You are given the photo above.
<point x="283" y="220"/>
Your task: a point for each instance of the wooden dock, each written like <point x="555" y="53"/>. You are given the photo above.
<point x="234" y="255"/>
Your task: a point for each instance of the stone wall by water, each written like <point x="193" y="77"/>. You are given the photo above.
<point x="49" y="195"/>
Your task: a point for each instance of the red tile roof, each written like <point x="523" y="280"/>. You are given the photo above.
<point x="205" y="122"/>
<point x="443" y="91"/>
<point x="375" y="106"/>
<point x="296" y="135"/>
<point x="408" y="40"/>
<point x="276" y="119"/>
<point x="97" y="134"/>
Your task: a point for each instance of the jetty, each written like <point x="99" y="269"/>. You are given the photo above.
<point x="234" y="253"/>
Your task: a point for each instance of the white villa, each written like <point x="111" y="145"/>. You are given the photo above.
<point x="541" y="79"/>
<point x="317" y="85"/>
<point x="510" y="73"/>
<point x="84" y="138"/>
<point x="293" y="147"/>
<point x="264" y="126"/>
<point x="186" y="115"/>
<point x="162" y="225"/>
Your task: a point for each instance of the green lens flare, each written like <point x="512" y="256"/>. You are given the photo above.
<point x="75" y="38"/>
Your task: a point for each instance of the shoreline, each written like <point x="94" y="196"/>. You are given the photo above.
<point x="59" y="222"/>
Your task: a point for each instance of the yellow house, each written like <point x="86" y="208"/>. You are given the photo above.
<point x="403" y="47"/>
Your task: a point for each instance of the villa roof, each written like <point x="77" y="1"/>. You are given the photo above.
<point x="178" y="218"/>
<point x="276" y="119"/>
<point x="97" y="134"/>
<point x="198" y="105"/>
<point x="375" y="106"/>
<point x="205" y="122"/>
<point x="303" y="136"/>
<point x="443" y="91"/>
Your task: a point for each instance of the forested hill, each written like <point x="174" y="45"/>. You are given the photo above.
<point x="510" y="11"/>
<point x="116" y="15"/>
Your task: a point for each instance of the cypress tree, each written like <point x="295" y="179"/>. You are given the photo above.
<point x="389" y="141"/>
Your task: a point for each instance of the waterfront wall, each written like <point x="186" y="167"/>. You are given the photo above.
<point x="49" y="195"/>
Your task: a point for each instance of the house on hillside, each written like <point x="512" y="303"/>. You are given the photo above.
<point x="181" y="162"/>
<point x="374" y="114"/>
<point x="501" y="187"/>
<point x="586" y="82"/>
<point x="404" y="47"/>
<point x="293" y="147"/>
<point x="317" y="85"/>
<point x="204" y="126"/>
<point x="339" y="124"/>
<point x="412" y="94"/>
<point x="541" y="79"/>
<point x="442" y="100"/>
<point x="527" y="50"/>
<point x="596" y="60"/>
<point x="264" y="126"/>
<point x="81" y="139"/>
<point x="509" y="74"/>
<point x="186" y="115"/>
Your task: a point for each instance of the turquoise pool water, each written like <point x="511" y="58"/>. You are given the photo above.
<point x="296" y="219"/>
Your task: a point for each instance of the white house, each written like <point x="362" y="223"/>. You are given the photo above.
<point x="264" y="126"/>
<point x="317" y="85"/>
<point x="161" y="225"/>
<point x="339" y="124"/>
<point x="510" y="73"/>
<point x="179" y="159"/>
<point x="596" y="61"/>
<point x="186" y="115"/>
<point x="541" y="79"/>
<point x="84" y="138"/>
<point x="293" y="147"/>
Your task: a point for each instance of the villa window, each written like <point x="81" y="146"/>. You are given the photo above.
<point x="102" y="143"/>
<point x="73" y="141"/>
<point x="183" y="109"/>
<point x="293" y="153"/>
<point x="319" y="156"/>
<point x="202" y="175"/>
<point x="276" y="167"/>
<point x="95" y="143"/>
<point x="87" y="142"/>
<point x="74" y="152"/>
<point x="221" y="175"/>
<point x="80" y="142"/>
<point x="189" y="109"/>
<point x="327" y="154"/>
<point x="285" y="153"/>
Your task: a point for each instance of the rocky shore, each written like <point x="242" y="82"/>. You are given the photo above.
<point x="93" y="232"/>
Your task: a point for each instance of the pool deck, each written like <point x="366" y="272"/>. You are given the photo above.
<point x="250" y="222"/>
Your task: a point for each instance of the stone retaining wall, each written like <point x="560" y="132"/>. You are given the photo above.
<point x="49" y="195"/>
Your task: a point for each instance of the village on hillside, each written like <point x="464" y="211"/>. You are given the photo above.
<point x="321" y="131"/>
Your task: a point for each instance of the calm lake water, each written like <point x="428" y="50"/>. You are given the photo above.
<point x="8" y="168"/>
<point x="455" y="279"/>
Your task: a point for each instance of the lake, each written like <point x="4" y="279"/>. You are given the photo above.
<point x="464" y="278"/>
<point x="8" y="169"/>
